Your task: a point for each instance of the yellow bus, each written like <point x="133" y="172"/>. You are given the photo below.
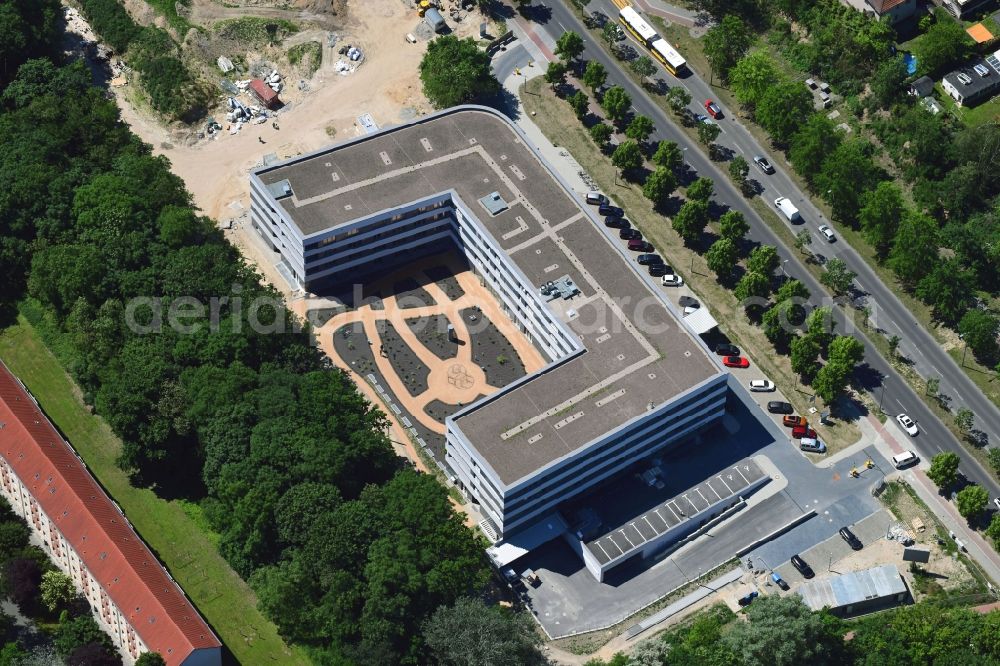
<point x="637" y="26"/>
<point x="668" y="56"/>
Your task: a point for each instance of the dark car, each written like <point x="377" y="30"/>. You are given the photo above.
<point x="630" y="234"/>
<point x="639" y="245"/>
<point x="727" y="349"/>
<point x="608" y="209"/>
<point x="624" y="52"/>
<point x="801" y="566"/>
<point x="659" y="270"/>
<point x="648" y="259"/>
<point x="763" y="164"/>
<point x="746" y="600"/>
<point x="779" y="407"/>
<point x="616" y="222"/>
<point x="852" y="541"/>
<point x="691" y="302"/>
<point x="595" y="20"/>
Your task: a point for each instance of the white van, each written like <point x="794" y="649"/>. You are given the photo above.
<point x="790" y="212"/>
<point x="904" y="459"/>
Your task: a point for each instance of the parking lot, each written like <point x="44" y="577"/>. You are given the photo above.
<point x="569" y="600"/>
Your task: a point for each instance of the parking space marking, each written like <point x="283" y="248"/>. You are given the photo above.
<point x="728" y="487"/>
<point x="646" y="518"/>
<point x="622" y="532"/>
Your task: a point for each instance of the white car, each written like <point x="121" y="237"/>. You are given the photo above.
<point x="827" y="233"/>
<point x="761" y="385"/>
<point x="907" y="424"/>
<point x="672" y="280"/>
<point x="904" y="459"/>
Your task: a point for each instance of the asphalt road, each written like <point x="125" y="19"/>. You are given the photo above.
<point x="893" y="393"/>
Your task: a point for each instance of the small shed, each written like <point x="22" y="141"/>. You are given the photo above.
<point x="922" y="87"/>
<point x="435" y="20"/>
<point x="264" y="94"/>
<point x="857" y="592"/>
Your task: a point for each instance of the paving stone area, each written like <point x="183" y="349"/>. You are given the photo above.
<point x="446" y="280"/>
<point x="433" y="333"/>
<point x="409" y="368"/>
<point x="491" y="351"/>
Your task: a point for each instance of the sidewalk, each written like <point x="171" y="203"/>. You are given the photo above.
<point x="672" y="13"/>
<point x="976" y="546"/>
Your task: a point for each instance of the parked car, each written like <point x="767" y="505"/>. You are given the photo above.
<point x="608" y="209"/>
<point x="659" y="270"/>
<point x="778" y="580"/>
<point x="779" y="407"/>
<point x="747" y="599"/>
<point x="689" y="302"/>
<point x="624" y="52"/>
<point x="727" y="349"/>
<point x="801" y="566"/>
<point x="812" y="445"/>
<point x="713" y="109"/>
<point x="703" y="119"/>
<point x="761" y="385"/>
<point x="616" y="222"/>
<point x="735" y="362"/>
<point x="647" y="259"/>
<point x="792" y="421"/>
<point x="595" y="198"/>
<point x="827" y="233"/>
<point x="595" y="20"/>
<point x="531" y="578"/>
<point x="907" y="424"/>
<point x="763" y="164"/>
<point x="852" y="541"/>
<point x="672" y="280"/>
<point x="803" y="431"/>
<point x="904" y="459"/>
<point x="639" y="245"/>
<point x="630" y="234"/>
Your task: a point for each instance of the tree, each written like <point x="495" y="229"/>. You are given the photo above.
<point x="753" y="76"/>
<point x="600" y="133"/>
<point x="820" y="325"/>
<point x="617" y="103"/>
<point x="733" y="225"/>
<point x="678" y="98"/>
<point x="793" y="289"/>
<point x="725" y="43"/>
<point x="782" y="631"/>
<point x="764" y="259"/>
<point x="783" y="109"/>
<point x="643" y="66"/>
<point x="470" y="633"/>
<point x="846" y="349"/>
<point x="993" y="531"/>
<point x="639" y="129"/>
<point x="972" y="501"/>
<point x="778" y="322"/>
<point x="811" y="145"/>
<point x="691" y="220"/>
<point x="888" y="85"/>
<point x="803" y="239"/>
<point x="831" y="381"/>
<point x="933" y="386"/>
<point x="739" y="169"/>
<point x="837" y="276"/>
<point x="78" y="631"/>
<point x="701" y="189"/>
<point x="580" y="103"/>
<point x="882" y="210"/>
<point x="964" y="420"/>
<point x="847" y="173"/>
<point x="627" y="156"/>
<point x="93" y="654"/>
<point x="946" y="42"/>
<point x="805" y="357"/>
<point x="659" y="186"/>
<point x="610" y="32"/>
<point x="150" y="659"/>
<point x="722" y="257"/>
<point x="944" y="469"/>
<point x="938" y="634"/>
<point x="948" y="289"/>
<point x="752" y="285"/>
<point x="569" y="46"/>
<point x="21" y="578"/>
<point x="594" y="75"/>
<point x="708" y="133"/>
<point x="894" y="345"/>
<point x="979" y="329"/>
<point x="57" y="590"/>
<point x="668" y="155"/>
<point x="456" y="71"/>
<point x="555" y="74"/>
<point x="915" y="248"/>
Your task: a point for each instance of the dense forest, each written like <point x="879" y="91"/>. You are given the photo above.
<point x="348" y="550"/>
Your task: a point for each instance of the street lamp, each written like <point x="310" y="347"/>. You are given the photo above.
<point x="881" y="395"/>
<point x="966" y="350"/>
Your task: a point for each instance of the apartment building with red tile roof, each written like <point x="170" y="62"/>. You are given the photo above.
<point x="89" y="538"/>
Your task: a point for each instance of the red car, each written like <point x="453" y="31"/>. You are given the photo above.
<point x="713" y="109"/>
<point x="735" y="362"/>
<point x="803" y="431"/>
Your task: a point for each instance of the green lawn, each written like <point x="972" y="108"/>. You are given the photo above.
<point x="175" y="530"/>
